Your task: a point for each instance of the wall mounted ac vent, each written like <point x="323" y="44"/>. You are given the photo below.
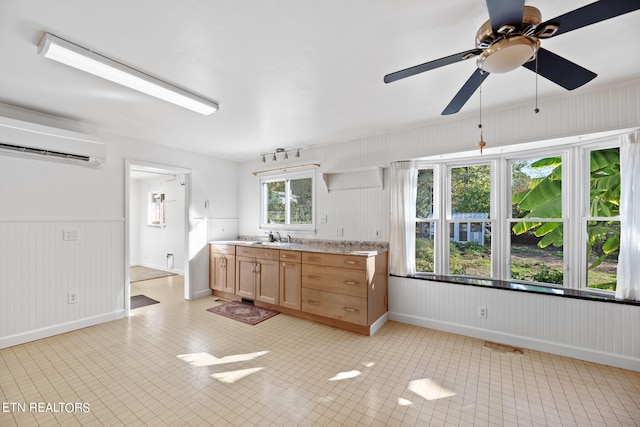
<point x="23" y="138"/>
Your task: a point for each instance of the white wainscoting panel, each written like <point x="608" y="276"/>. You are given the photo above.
<point x="599" y="332"/>
<point x="40" y="268"/>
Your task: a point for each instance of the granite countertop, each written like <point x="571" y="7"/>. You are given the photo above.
<point x="329" y="247"/>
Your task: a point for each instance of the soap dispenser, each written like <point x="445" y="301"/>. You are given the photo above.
<point x="271" y="238"/>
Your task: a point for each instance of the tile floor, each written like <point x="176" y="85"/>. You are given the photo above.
<point x="175" y="363"/>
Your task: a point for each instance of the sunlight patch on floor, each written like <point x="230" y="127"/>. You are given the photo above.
<point x="206" y="359"/>
<point x="404" y="402"/>
<point x="429" y="390"/>
<point x="231" y="377"/>
<point x="345" y="375"/>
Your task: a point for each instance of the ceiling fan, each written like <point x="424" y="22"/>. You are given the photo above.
<point x="511" y="38"/>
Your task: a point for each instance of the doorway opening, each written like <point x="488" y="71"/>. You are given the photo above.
<point x="157" y="229"/>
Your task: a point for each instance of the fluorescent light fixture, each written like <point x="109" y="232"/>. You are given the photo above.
<point x="75" y="56"/>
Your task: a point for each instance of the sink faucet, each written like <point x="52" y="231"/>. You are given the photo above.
<point x="278" y="238"/>
<point x="288" y="238"/>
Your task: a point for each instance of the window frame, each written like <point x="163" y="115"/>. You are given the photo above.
<point x="156" y="209"/>
<point x="575" y="207"/>
<point x="287" y="178"/>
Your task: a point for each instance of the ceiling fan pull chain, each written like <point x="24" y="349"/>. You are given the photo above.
<point x="481" y="144"/>
<point x="536" y="110"/>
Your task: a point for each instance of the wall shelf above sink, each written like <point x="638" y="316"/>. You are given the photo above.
<point x="372" y="177"/>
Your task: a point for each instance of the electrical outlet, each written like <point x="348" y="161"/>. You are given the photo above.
<point x="73" y="297"/>
<point x="323" y="219"/>
<point x="377" y="233"/>
<point x="482" y="312"/>
<point x="70" y="234"/>
<point x="339" y="231"/>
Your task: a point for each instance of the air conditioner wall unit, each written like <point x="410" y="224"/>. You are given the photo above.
<point x="19" y="137"/>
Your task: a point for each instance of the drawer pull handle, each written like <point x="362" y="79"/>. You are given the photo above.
<point x="349" y="309"/>
<point x="268" y="254"/>
<point x="285" y="256"/>
<point x="313" y="302"/>
<point x="350" y="282"/>
<point x="315" y="258"/>
<point x="350" y="262"/>
<point x="314" y="277"/>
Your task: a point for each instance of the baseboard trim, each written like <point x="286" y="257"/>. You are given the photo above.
<point x="520" y="341"/>
<point x="375" y="326"/>
<point x="203" y="293"/>
<point x="37" y="334"/>
<point x="158" y="267"/>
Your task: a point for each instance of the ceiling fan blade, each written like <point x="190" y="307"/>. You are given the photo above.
<point x="560" y="70"/>
<point x="502" y="12"/>
<point x="417" y="69"/>
<point x="591" y="14"/>
<point x="465" y="92"/>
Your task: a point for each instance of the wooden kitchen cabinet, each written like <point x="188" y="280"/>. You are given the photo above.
<point x="341" y="290"/>
<point x="290" y="279"/>
<point x="267" y="281"/>
<point x="347" y="288"/>
<point x="222" y="268"/>
<point x="245" y="277"/>
<point x="258" y="274"/>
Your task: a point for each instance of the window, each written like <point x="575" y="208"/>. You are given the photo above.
<point x="537" y="232"/>
<point x="288" y="201"/>
<point x="469" y="220"/>
<point x="548" y="216"/>
<point x="425" y="222"/>
<point x="602" y="222"/>
<point x="156" y="210"/>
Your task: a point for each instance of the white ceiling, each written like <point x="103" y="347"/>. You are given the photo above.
<point x="287" y="73"/>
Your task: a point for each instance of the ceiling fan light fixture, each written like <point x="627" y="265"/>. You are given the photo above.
<point x="508" y="54"/>
<point x="83" y="59"/>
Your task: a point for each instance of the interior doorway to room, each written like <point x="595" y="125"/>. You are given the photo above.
<point x="157" y="221"/>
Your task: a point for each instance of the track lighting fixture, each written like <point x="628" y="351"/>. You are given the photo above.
<point x="274" y="155"/>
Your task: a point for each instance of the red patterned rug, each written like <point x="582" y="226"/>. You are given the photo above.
<point x="242" y="312"/>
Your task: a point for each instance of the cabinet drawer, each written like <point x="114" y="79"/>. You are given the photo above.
<point x="290" y="256"/>
<point x="260" y="253"/>
<point x="222" y="249"/>
<point x="332" y="279"/>
<point x="333" y="260"/>
<point x="336" y="306"/>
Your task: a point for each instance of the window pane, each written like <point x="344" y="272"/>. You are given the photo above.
<point x="470" y="251"/>
<point x="424" y="200"/>
<point x="604" y="183"/>
<point x="276" y="196"/>
<point x="471" y="189"/>
<point x="425" y="232"/>
<point x="536" y="188"/>
<point x="301" y="201"/>
<point x="602" y="252"/>
<point x="536" y="252"/>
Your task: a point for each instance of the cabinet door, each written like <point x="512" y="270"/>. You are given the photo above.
<point x="290" y="284"/>
<point x="246" y="277"/>
<point x="267" y="281"/>
<point x="229" y="283"/>
<point x="217" y="273"/>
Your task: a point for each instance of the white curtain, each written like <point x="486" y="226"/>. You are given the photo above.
<point x="628" y="286"/>
<point x="402" y="241"/>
